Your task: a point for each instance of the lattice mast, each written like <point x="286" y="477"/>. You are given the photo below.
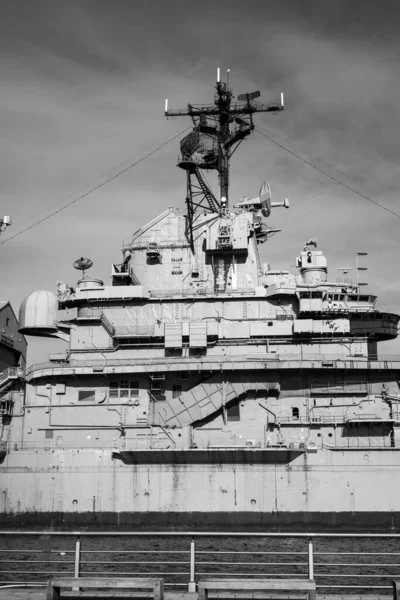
<point x="217" y="132"/>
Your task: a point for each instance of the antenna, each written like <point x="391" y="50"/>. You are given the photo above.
<point x="218" y="129"/>
<point x="227" y="77"/>
<point x="249" y="97"/>
<point x="82" y="264"/>
<point x="282" y="101"/>
<point x="360" y="269"/>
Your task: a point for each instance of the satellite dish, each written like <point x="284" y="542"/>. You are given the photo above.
<point x="82" y="264"/>
<point x="265" y="199"/>
<point x="249" y="97"/>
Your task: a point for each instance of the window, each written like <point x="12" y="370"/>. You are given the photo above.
<point x="134" y="388"/>
<point x="176" y="391"/>
<point x="48" y="434"/>
<point x="295" y="412"/>
<point x="87" y="395"/>
<point x="8" y="321"/>
<point x="233" y="412"/>
<point x="114" y="389"/>
<point x="124" y="389"/>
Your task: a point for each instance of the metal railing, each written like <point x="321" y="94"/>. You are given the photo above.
<point x="115" y="362"/>
<point x="344" y="562"/>
<point x="11" y="373"/>
<point x="186" y="292"/>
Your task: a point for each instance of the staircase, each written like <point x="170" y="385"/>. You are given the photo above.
<point x="9" y="375"/>
<point x="109" y="327"/>
<point x="213" y="203"/>
<point x="201" y="401"/>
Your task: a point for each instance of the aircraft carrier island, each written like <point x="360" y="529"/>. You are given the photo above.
<point x="202" y="387"/>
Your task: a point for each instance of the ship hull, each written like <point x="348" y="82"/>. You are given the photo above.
<point x="206" y="521"/>
<point x="348" y="489"/>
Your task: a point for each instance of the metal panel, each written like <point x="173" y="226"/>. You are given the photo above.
<point x="260" y="329"/>
<point x="303" y="326"/>
<point x="173" y="335"/>
<point x="198" y="335"/>
<point x="234" y="330"/>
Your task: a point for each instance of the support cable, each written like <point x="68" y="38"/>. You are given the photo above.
<point x="310" y="164"/>
<point x="94" y="188"/>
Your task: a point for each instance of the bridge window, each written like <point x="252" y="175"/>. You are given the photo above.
<point x="124" y="389"/>
<point x="233" y="412"/>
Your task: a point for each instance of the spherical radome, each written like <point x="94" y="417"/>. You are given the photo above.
<point x="38" y="313"/>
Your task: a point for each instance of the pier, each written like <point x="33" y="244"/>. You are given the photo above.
<point x="343" y="565"/>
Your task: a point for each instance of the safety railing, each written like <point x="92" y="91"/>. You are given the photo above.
<point x="342" y="562"/>
<point x="11" y="373"/>
<point x="202" y="292"/>
<point x="324" y="358"/>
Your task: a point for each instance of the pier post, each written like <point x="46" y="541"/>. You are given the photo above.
<point x="192" y="582"/>
<point x="310" y="559"/>
<point x="77" y="560"/>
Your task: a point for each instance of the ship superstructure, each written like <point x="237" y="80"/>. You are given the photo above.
<point x="203" y="386"/>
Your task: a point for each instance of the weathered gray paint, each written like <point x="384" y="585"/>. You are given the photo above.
<point x="203" y="385"/>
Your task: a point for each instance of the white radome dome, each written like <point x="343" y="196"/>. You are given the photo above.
<point x="38" y="313"/>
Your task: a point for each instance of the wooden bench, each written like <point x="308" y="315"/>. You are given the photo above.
<point x="396" y="590"/>
<point x="142" y="583"/>
<point x="258" y="585"/>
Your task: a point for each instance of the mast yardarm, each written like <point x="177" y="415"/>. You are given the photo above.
<point x="217" y="132"/>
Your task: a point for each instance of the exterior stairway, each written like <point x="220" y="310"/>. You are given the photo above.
<point x="9" y="375"/>
<point x="202" y="400"/>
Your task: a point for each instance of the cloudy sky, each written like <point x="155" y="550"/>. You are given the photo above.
<point x="82" y="95"/>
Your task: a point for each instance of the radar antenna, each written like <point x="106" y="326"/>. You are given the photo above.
<point x="82" y="264"/>
<point x="217" y="132"/>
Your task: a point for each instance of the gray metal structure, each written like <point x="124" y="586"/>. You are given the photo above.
<point x="203" y="387"/>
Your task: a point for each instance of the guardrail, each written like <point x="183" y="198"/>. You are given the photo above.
<point x="268" y="357"/>
<point x="201" y="292"/>
<point x="11" y="373"/>
<point x="344" y="562"/>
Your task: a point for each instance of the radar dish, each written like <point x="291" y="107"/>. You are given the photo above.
<point x="265" y="199"/>
<point x="82" y="264"/>
<point x="248" y="97"/>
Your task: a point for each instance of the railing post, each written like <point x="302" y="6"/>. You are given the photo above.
<point x="77" y="560"/>
<point x="192" y="582"/>
<point x="310" y="559"/>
